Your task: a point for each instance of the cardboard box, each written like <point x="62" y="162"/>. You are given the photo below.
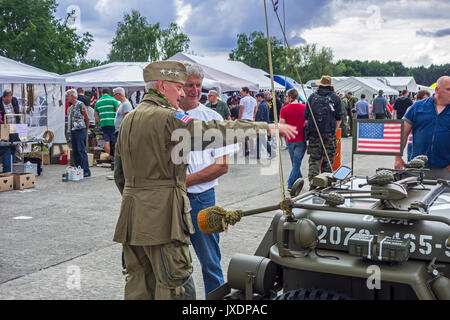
<point x="7" y="129"/>
<point x="4" y="132"/>
<point x="6" y="182"/>
<point x="104" y="156"/>
<point x="91" y="159"/>
<point x="24" y="181"/>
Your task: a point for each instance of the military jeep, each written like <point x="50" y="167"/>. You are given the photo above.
<point x="383" y="237"/>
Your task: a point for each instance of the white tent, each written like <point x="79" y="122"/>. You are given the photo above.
<point x="334" y="80"/>
<point x="49" y="98"/>
<point x="400" y="83"/>
<point x="421" y="87"/>
<point x="124" y="74"/>
<point x="234" y="68"/>
<point x="367" y="86"/>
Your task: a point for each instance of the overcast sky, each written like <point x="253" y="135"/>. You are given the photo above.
<point x="414" y="32"/>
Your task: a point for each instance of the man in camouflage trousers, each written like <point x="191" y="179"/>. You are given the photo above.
<point x="346" y="118"/>
<point x="327" y="109"/>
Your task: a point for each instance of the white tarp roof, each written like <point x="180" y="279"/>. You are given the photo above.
<point x="234" y="68"/>
<point x="421" y="87"/>
<point x="401" y="83"/>
<point x="115" y="74"/>
<point x="15" y="72"/>
<point x="225" y="81"/>
<point x="360" y="85"/>
<point x="49" y="98"/>
<point x="123" y="74"/>
<point x="334" y="80"/>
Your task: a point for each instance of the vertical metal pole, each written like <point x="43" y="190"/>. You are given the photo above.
<point x="274" y="103"/>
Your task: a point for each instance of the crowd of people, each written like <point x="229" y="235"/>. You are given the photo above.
<point x="161" y="199"/>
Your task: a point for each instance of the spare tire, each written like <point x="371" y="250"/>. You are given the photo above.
<point x="312" y="294"/>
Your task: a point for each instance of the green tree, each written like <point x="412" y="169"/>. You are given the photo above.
<point x="252" y="50"/>
<point x="311" y="62"/>
<point x="30" y="33"/>
<point x="135" y="40"/>
<point x="428" y="76"/>
<point x="172" y="41"/>
<point x="138" y="41"/>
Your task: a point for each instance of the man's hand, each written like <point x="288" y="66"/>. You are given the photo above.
<point x="448" y="167"/>
<point x="285" y="130"/>
<point x="399" y="164"/>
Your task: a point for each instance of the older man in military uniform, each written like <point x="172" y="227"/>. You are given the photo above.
<point x="154" y="223"/>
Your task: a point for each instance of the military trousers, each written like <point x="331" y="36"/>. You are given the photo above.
<point x="346" y="123"/>
<point x="317" y="160"/>
<point x="162" y="272"/>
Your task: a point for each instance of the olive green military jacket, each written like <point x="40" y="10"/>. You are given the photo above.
<point x="222" y="109"/>
<point x="155" y="208"/>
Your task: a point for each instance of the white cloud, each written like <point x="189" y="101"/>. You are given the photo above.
<point x="183" y="12"/>
<point x="383" y="32"/>
<point x="103" y="6"/>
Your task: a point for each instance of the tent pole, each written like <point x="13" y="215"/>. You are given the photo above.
<point x="274" y="103"/>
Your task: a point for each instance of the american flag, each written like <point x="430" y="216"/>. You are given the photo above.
<point x="379" y="137"/>
<point x="275" y="5"/>
<point x="93" y="97"/>
<point x="183" y="117"/>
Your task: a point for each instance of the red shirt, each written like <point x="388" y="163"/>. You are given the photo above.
<point x="294" y="114"/>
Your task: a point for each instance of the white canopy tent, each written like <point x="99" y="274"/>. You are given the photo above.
<point x="128" y="75"/>
<point x="235" y="68"/>
<point x="400" y="83"/>
<point x="334" y="80"/>
<point x="367" y="86"/>
<point x="49" y="99"/>
<point x="421" y="87"/>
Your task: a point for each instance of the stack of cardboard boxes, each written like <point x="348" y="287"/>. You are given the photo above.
<point x="9" y="181"/>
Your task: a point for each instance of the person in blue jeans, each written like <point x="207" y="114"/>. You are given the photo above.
<point x="296" y="152"/>
<point x="5" y="153"/>
<point x="206" y="246"/>
<point x="78" y="123"/>
<point x="201" y="177"/>
<point x="293" y="114"/>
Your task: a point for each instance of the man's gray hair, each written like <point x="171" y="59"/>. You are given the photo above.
<point x="193" y="69"/>
<point x="7" y="93"/>
<point x="440" y="80"/>
<point x="72" y="92"/>
<point x="214" y="93"/>
<point x="119" y="90"/>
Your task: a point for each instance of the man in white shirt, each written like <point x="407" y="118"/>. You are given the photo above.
<point x="248" y="107"/>
<point x="201" y="178"/>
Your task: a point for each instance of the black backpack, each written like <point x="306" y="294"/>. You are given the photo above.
<point x="323" y="109"/>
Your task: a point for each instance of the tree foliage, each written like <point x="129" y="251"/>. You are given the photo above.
<point x="252" y="50"/>
<point x="428" y="76"/>
<point x="310" y="61"/>
<point x="31" y="34"/>
<point x="172" y="41"/>
<point x="138" y="41"/>
<point x="135" y="39"/>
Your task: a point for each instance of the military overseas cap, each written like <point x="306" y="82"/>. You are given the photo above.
<point x="172" y="71"/>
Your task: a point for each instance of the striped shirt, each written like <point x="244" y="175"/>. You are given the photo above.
<point x="106" y="108"/>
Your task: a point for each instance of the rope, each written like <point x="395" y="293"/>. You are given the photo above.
<point x="48" y="136"/>
<point x="303" y="89"/>
<point x="274" y="104"/>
